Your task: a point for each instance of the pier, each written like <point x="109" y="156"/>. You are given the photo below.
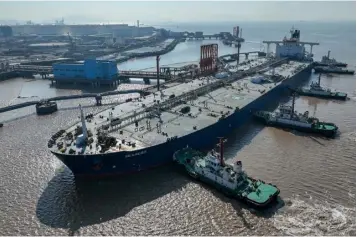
<point x="203" y="37"/>
<point x="146" y="91"/>
<point x="49" y="70"/>
<point x="33" y="69"/>
<point x="98" y="98"/>
<point x="235" y="55"/>
<point x="278" y="42"/>
<point x="23" y="70"/>
<point x="85" y="82"/>
<point x="142" y="74"/>
<point x="45" y="71"/>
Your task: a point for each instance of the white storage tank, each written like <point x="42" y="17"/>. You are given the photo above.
<point x="258" y="80"/>
<point x="221" y="75"/>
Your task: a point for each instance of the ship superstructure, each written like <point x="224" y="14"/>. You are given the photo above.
<point x="292" y="47"/>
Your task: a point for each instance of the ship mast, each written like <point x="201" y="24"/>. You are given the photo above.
<point x="158" y="72"/>
<point x="221" y="149"/>
<point x="84" y="127"/>
<point x="319" y="79"/>
<point x="292" y="107"/>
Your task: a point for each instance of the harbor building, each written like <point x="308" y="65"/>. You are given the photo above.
<point x="91" y="71"/>
<point x="6" y="31"/>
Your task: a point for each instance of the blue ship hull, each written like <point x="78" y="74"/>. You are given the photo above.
<point x="133" y="161"/>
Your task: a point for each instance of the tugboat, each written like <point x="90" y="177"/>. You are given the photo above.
<point x="286" y="117"/>
<point x="231" y="180"/>
<point x="326" y="61"/>
<point x="333" y="69"/>
<point x="316" y="90"/>
<point x="46" y="107"/>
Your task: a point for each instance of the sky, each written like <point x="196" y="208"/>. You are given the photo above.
<point x="151" y="12"/>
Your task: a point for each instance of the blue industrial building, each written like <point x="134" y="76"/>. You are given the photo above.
<point x="91" y="69"/>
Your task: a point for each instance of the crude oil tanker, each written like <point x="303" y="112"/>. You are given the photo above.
<point x="145" y="132"/>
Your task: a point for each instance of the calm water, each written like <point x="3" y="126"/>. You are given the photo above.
<point x="316" y="176"/>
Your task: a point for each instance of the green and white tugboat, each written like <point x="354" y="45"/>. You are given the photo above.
<point x="286" y="117"/>
<point x="230" y="179"/>
<point x="316" y="90"/>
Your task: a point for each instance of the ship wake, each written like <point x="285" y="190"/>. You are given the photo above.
<point x="315" y="218"/>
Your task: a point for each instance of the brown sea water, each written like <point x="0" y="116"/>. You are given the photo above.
<point x="39" y="196"/>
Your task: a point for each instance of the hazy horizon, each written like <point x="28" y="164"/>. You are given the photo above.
<point x="150" y="13"/>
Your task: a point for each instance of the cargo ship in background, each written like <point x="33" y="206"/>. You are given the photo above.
<point x="333" y="69"/>
<point x="287" y="117"/>
<point x="327" y="61"/>
<point x="145" y="132"/>
<point x="316" y="90"/>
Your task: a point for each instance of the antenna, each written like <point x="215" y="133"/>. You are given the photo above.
<point x="158" y="71"/>
<point x="84" y="127"/>
<point x="293" y="106"/>
<point x="221" y="141"/>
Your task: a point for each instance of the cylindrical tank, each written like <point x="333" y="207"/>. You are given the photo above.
<point x="221" y="75"/>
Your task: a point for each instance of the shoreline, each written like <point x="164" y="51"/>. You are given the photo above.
<point x="165" y="50"/>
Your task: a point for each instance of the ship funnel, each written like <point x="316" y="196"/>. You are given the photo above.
<point x="328" y="54"/>
<point x="237" y="167"/>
